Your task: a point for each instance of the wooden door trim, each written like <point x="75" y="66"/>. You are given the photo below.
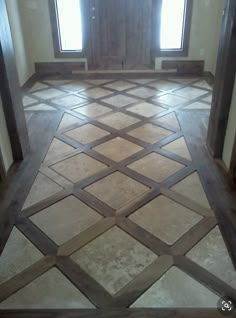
<point x="3" y="173"/>
<point x="233" y="161"/>
<point x="224" y="82"/>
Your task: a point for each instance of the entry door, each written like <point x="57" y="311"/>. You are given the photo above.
<point x="121" y="33"/>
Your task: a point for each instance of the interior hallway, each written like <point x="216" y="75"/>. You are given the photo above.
<point x="122" y="212"/>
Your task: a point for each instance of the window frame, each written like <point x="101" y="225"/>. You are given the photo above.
<point x="184" y="51"/>
<point x="58" y="53"/>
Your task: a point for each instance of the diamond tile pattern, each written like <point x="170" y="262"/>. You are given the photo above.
<point x="68" y="120"/>
<point x="190" y="92"/>
<point x="146" y="109"/>
<point x="143" y="92"/>
<point x="70" y="101"/>
<point x="119" y="100"/>
<point x="96" y="93"/>
<point x="118" y="120"/>
<point x="49" y="93"/>
<point x="169" y="119"/>
<point x="120" y="85"/>
<point x="171" y="100"/>
<point x="93" y="110"/>
<point x="179" y="147"/>
<point x="87" y="134"/>
<point x="57" y="148"/>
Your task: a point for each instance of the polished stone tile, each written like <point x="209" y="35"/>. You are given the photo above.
<point x="118" y="120"/>
<point x="170" y="120"/>
<point x="165" y="219"/>
<point x="203" y="84"/>
<point x="65" y="219"/>
<point x="114" y="259"/>
<point x="38" y="86"/>
<point x="87" y="134"/>
<point x="68" y="120"/>
<point x="208" y="99"/>
<point x="49" y="93"/>
<point x="76" y="86"/>
<point x="163" y="85"/>
<point x="198" y="105"/>
<point x="70" y="101"/>
<point x="19" y="253"/>
<point x="156" y="167"/>
<point x="52" y="290"/>
<point x="120" y="85"/>
<point x="58" y="82"/>
<point x="93" y="110"/>
<point x="146" y="109"/>
<point x="117" y="149"/>
<point x="97" y="92"/>
<point x="78" y="167"/>
<point x="40" y="107"/>
<point x="211" y="253"/>
<point x="98" y="81"/>
<point x="150" y="133"/>
<point x="142" y="81"/>
<point x="179" y="147"/>
<point x="191" y="187"/>
<point x="42" y="189"/>
<point x="119" y="100"/>
<point x="171" y="100"/>
<point x="57" y="148"/>
<point x="177" y="290"/>
<point x="108" y="188"/>
<point x="143" y="92"/>
<point x="190" y="92"/>
<point x="26" y="100"/>
<point x="183" y="80"/>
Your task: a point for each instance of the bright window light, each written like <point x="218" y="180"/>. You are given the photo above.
<point x="70" y="26"/>
<point x="172" y="24"/>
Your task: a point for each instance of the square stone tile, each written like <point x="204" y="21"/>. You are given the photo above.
<point x="176" y="289"/>
<point x="179" y="147"/>
<point x="19" y="253"/>
<point x="166" y="219"/>
<point x="117" y="149"/>
<point x="97" y="93"/>
<point x="191" y="187"/>
<point x="40" y="108"/>
<point x="65" y="219"/>
<point x="150" y="133"/>
<point x="183" y="80"/>
<point x="70" y="101"/>
<point x="163" y="85"/>
<point x="68" y="120"/>
<point x="156" y="167"/>
<point x="78" y="167"/>
<point x="171" y="100"/>
<point x="118" y="120"/>
<point x="26" y="100"/>
<point x="49" y="93"/>
<point x="190" y="92"/>
<point x="37" y="86"/>
<point x="119" y="100"/>
<point x="87" y="134"/>
<point x="169" y="119"/>
<point x="58" y="82"/>
<point x="117" y="190"/>
<point x="76" y="86"/>
<point x="143" y="92"/>
<point x="211" y="253"/>
<point x="198" y="105"/>
<point x="98" y="81"/>
<point x="114" y="259"/>
<point x="146" y="109"/>
<point x="57" y="148"/>
<point x="120" y="85"/>
<point x="93" y="110"/>
<point x="203" y="84"/>
<point x="52" y="290"/>
<point x="142" y="81"/>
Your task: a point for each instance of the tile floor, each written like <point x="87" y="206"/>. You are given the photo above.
<point x="114" y="206"/>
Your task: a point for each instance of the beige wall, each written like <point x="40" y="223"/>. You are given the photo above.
<point x="4" y="140"/>
<point x="24" y="62"/>
<point x="231" y="131"/>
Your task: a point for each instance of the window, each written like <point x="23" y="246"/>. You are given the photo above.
<point x="175" y="21"/>
<point x="66" y="19"/>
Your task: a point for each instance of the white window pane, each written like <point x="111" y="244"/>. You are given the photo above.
<point x="172" y="24"/>
<point x="70" y="26"/>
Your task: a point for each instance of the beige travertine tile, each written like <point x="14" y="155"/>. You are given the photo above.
<point x="211" y="253"/>
<point x="171" y="100"/>
<point x="49" y="93"/>
<point x="170" y="120"/>
<point x="52" y="290"/>
<point x="166" y="219"/>
<point x="65" y="219"/>
<point x="42" y="188"/>
<point x="150" y="133"/>
<point x="119" y="100"/>
<point x="164" y="85"/>
<point x="177" y="290"/>
<point x="179" y="147"/>
<point x="146" y="109"/>
<point x="183" y="80"/>
<point x="57" y="82"/>
<point x="190" y="92"/>
<point x="191" y="187"/>
<point x="57" y="148"/>
<point x="97" y="92"/>
<point x="118" y="149"/>
<point x="198" y="105"/>
<point x="118" y="120"/>
<point x="99" y="81"/>
<point x="68" y="120"/>
<point x="203" y="84"/>
<point x="116" y="189"/>
<point x="156" y="167"/>
<point x="26" y="100"/>
<point x="120" y="85"/>
<point x="114" y="259"/>
<point x="76" y="86"/>
<point x="78" y="167"/>
<point x="208" y="99"/>
<point x="93" y="110"/>
<point x="69" y="101"/>
<point x="40" y="107"/>
<point x="142" y="80"/>
<point x="38" y="86"/>
<point x="18" y="254"/>
<point x="143" y="92"/>
<point x="87" y="134"/>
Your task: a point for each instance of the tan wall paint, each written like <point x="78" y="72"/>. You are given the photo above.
<point x="5" y="145"/>
<point x="24" y="62"/>
<point x="231" y="131"/>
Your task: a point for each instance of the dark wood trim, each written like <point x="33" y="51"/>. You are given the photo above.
<point x="184" y="67"/>
<point x="55" y="68"/>
<point x="3" y="173"/>
<point x="224" y="82"/>
<point x="29" y="83"/>
<point x="232" y="168"/>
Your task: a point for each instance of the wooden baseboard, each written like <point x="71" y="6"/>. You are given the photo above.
<point x="226" y="173"/>
<point x="184" y="67"/>
<point x="58" y="68"/>
<point x="33" y="78"/>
